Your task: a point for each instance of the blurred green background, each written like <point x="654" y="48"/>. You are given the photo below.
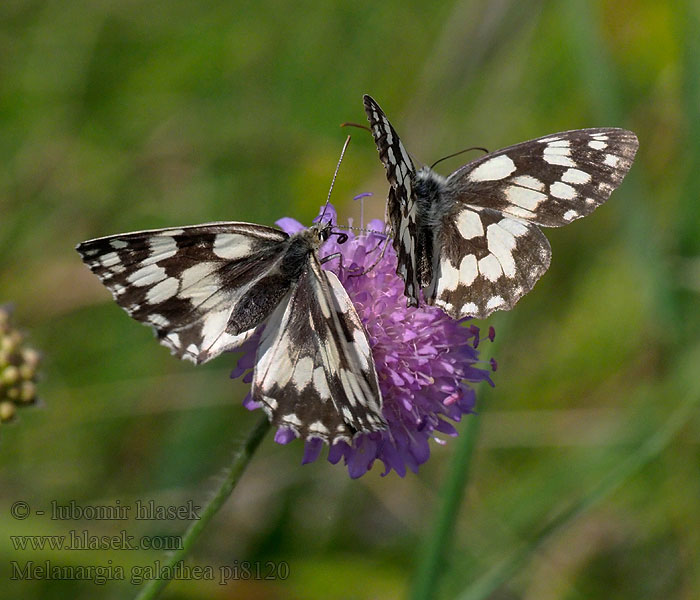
<point x="120" y="115"/>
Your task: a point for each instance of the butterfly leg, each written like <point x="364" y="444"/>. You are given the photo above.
<point x="376" y="262"/>
<point x="337" y="255"/>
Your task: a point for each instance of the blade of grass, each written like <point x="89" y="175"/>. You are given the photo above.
<point x="240" y="461"/>
<point x="646" y="451"/>
<point x="432" y="556"/>
<point x="452" y="493"/>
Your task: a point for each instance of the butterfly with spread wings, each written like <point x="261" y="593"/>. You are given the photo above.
<point x="205" y="289"/>
<point x="471" y="242"/>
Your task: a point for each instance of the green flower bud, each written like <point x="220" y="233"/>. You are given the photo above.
<point x="9" y="376"/>
<point x="7" y="411"/>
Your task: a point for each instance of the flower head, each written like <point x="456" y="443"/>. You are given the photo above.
<point x="424" y="359"/>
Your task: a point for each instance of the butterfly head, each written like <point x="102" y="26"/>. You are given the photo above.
<point x="427" y="184"/>
<point x="321" y="231"/>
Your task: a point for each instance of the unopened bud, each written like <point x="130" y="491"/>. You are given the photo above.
<point x="7" y="410"/>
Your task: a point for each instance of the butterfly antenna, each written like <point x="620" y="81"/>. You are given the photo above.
<point x="458" y="153"/>
<point x="337" y="168"/>
<point x="348" y="124"/>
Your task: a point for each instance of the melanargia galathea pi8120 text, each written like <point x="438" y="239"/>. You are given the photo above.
<point x="471" y="241"/>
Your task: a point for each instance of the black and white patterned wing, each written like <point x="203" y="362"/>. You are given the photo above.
<point x="551" y="180"/>
<point x="401" y="204"/>
<point x="488" y="250"/>
<point x="314" y="371"/>
<point x="202" y="288"/>
<point x="487" y="261"/>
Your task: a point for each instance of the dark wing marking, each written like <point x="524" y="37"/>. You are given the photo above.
<point x="487" y="261"/>
<point x="401" y="203"/>
<point x="551" y="180"/>
<point x="315" y="373"/>
<point x="202" y="288"/>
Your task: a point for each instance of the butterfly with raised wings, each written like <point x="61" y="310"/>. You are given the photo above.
<point x="471" y="242"/>
<point x="207" y="288"/>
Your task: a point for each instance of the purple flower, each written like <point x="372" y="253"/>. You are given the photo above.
<point x="424" y="359"/>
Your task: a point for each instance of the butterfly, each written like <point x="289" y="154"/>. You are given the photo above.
<point x="471" y="242"/>
<point x="205" y="289"/>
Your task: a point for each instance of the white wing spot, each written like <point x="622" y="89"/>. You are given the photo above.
<point x="490" y="268"/>
<point x="118" y="244"/>
<point x="559" y="159"/>
<point x="232" y="246"/>
<point x="516" y="228"/>
<point x="501" y="244"/>
<point x="321" y="383"/>
<point x="495" y="302"/>
<point x="162" y="247"/>
<point x="469" y="224"/>
<point x="163" y="291"/>
<point x="271" y="402"/>
<point x="213" y="326"/>
<point x="470" y="309"/>
<point x="552" y="150"/>
<point x="611" y="160"/>
<point x="147" y="275"/>
<point x="575" y="176"/>
<point x="562" y="190"/>
<point x="493" y="169"/>
<point x="570" y="214"/>
<point x="597" y="145"/>
<point x="110" y="259"/>
<point x="468" y="270"/>
<point x="291" y="419"/>
<point x="449" y="276"/>
<point x="194" y="286"/>
<point x="363" y="351"/>
<point x="529" y="181"/>
<point x="524" y="197"/>
<point x="303" y="372"/>
<point x="558" y="144"/>
<point x="158" y="320"/>
<point x="319" y="428"/>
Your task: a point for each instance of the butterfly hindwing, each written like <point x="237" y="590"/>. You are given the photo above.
<point x="487" y="261"/>
<point x="203" y="288"/>
<point x="315" y="374"/>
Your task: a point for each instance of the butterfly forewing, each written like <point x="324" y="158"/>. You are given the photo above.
<point x="401" y="202"/>
<point x="189" y="283"/>
<point x="315" y="374"/>
<point x="551" y="180"/>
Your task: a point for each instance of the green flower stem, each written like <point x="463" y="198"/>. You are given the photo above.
<point x="430" y="567"/>
<point x="240" y="461"/>
<point x="489" y="583"/>
<point x="439" y="543"/>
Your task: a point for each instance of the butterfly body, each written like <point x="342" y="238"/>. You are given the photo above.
<point x="470" y="243"/>
<point x="206" y="289"/>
